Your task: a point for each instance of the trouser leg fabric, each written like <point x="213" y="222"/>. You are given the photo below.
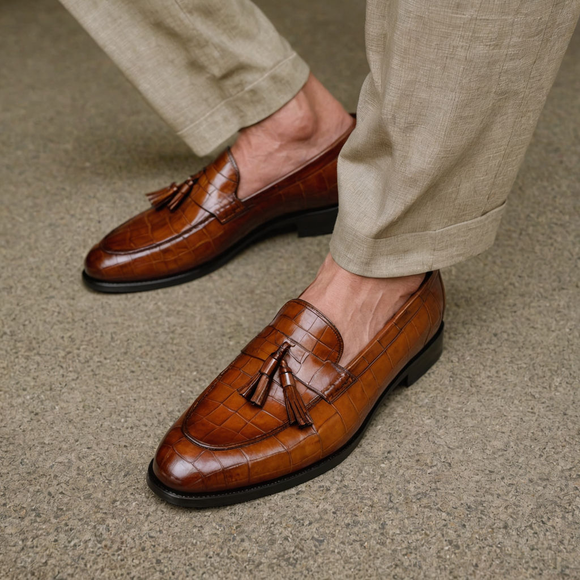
<point x="208" y="68"/>
<point x="444" y="119"/>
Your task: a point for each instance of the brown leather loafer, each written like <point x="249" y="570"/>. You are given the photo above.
<point x="285" y="410"/>
<point x="197" y="226"/>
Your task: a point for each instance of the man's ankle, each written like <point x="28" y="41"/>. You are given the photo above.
<point x="358" y="306"/>
<point x="296" y="121"/>
<point x="303" y="127"/>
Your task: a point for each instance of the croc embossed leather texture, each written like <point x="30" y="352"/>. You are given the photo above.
<point x="197" y="226"/>
<point x="285" y="410"/>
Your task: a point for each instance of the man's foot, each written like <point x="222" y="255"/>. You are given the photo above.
<point x="358" y="306"/>
<point x="276" y="146"/>
<point x="280" y="175"/>
<point x="289" y="408"/>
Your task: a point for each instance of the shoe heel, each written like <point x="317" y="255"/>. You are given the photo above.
<point x="316" y="223"/>
<point x="425" y="360"/>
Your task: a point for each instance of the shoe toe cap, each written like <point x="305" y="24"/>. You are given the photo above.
<point x="181" y="465"/>
<point x="99" y="264"/>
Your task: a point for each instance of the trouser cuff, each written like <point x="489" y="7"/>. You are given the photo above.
<point x="408" y="254"/>
<point x="257" y="101"/>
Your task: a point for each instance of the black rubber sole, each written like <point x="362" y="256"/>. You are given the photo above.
<point x="307" y="224"/>
<point x="415" y="369"/>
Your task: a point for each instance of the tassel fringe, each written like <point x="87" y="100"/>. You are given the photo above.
<point x="173" y="195"/>
<point x="262" y="389"/>
<point x="160" y="198"/>
<point x="297" y="411"/>
<point x="257" y="390"/>
<point x="248" y="390"/>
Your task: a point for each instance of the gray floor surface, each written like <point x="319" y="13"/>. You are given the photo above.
<point x="472" y="473"/>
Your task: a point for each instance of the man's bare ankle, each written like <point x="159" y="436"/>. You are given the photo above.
<point x="303" y="127"/>
<point x="295" y="121"/>
<point x="357" y="305"/>
<point x="308" y="116"/>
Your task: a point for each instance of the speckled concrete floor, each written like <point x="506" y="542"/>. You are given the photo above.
<point x="472" y="473"/>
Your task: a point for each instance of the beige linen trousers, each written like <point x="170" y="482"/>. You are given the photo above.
<point x="444" y="117"/>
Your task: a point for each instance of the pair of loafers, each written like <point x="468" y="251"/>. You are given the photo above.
<point x="285" y="410"/>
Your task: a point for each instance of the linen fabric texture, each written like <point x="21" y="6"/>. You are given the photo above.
<point x="444" y="117"/>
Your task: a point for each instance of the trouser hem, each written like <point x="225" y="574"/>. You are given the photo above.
<point x="415" y="253"/>
<point x="257" y="101"/>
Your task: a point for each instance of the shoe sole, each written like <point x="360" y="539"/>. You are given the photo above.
<point x="307" y="224"/>
<point x="415" y="369"/>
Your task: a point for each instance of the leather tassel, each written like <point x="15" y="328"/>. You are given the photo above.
<point x="295" y="407"/>
<point x="248" y="390"/>
<point x="258" y="388"/>
<point x="160" y="198"/>
<point x="180" y="195"/>
<point x="173" y="195"/>
<point x="261" y="390"/>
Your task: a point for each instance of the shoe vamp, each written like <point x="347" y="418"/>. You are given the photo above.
<point x="223" y="418"/>
<point x="156" y="227"/>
